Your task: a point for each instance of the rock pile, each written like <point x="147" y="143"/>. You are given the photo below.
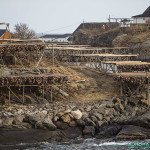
<point x="90" y="117"/>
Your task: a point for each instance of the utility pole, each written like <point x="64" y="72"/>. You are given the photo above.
<point x="109" y="19"/>
<point x="42" y="37"/>
<point x="83" y="23"/>
<point x="53" y="52"/>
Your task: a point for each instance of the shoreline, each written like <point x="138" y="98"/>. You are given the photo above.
<point x="121" y="118"/>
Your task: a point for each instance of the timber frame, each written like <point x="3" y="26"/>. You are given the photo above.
<point x="10" y="83"/>
<point x="133" y="84"/>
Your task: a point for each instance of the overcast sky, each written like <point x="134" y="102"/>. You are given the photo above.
<point x="64" y="16"/>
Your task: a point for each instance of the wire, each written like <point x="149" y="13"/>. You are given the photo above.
<point x="61" y="28"/>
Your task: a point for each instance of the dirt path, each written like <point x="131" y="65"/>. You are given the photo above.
<point x="101" y="86"/>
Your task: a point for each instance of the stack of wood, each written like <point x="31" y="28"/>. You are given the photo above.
<point x="30" y="79"/>
<point x="135" y="78"/>
<point x="24" y="54"/>
<point x="128" y="68"/>
<point x="18" y="48"/>
<point x="129" y="79"/>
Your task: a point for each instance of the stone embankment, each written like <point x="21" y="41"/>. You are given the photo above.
<point x="62" y="120"/>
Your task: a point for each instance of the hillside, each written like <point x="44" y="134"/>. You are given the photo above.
<point x="131" y="36"/>
<point x="95" y="37"/>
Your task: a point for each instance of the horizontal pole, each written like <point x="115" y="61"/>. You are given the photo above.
<point x="32" y="85"/>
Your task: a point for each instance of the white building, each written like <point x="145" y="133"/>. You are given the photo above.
<point x="55" y="37"/>
<point x="143" y="18"/>
<point x="125" y="23"/>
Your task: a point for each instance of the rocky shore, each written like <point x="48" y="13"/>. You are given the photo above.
<point x="119" y="118"/>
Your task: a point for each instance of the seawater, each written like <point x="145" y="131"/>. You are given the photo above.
<point x="82" y="144"/>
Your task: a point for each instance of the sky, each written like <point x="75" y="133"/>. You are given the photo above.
<point x="64" y="16"/>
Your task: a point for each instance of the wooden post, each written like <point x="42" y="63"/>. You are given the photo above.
<point x="106" y="67"/>
<point x="9" y="96"/>
<point x="51" y="95"/>
<point x="148" y="88"/>
<point x="53" y="53"/>
<point x="121" y="89"/>
<point x="23" y="94"/>
<point x="63" y="88"/>
<point x="114" y="69"/>
<point x="43" y="91"/>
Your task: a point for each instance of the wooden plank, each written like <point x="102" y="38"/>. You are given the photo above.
<point x="107" y="55"/>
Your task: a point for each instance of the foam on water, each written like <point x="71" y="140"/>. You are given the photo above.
<point x="82" y="144"/>
<point x="112" y="144"/>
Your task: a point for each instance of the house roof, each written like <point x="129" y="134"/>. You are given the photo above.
<point x="2" y="31"/>
<point x="55" y="36"/>
<point x="146" y="13"/>
<point x="95" y="25"/>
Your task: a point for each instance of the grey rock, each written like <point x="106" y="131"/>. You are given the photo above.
<point x="18" y="119"/>
<point x="94" y="119"/>
<point x="73" y="132"/>
<point x="100" y="123"/>
<point x="107" y="119"/>
<point x="108" y="103"/>
<point x="133" y="132"/>
<point x="80" y="122"/>
<point x="39" y="125"/>
<point x="66" y="118"/>
<point x="72" y="124"/>
<point x="98" y="116"/>
<point x="33" y="118"/>
<point x="7" y="121"/>
<point x="82" y="86"/>
<point x="26" y="125"/>
<point x="88" y="131"/>
<point x="61" y="125"/>
<point x="109" y="131"/>
<point x="76" y="114"/>
<point x="56" y="118"/>
<point x="1" y="122"/>
<point x="85" y="115"/>
<point x="89" y="122"/>
<point x="88" y="108"/>
<point x="47" y="122"/>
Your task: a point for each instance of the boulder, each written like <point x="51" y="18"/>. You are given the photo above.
<point x="67" y="111"/>
<point x="7" y="121"/>
<point x="47" y="122"/>
<point x="1" y="122"/>
<point x="55" y="118"/>
<point x="85" y="115"/>
<point x="133" y="132"/>
<point x="35" y="117"/>
<point x="88" y="108"/>
<point x="98" y="116"/>
<point x="89" y="122"/>
<point x="142" y="121"/>
<point x="76" y="114"/>
<point x="73" y="132"/>
<point x="80" y="122"/>
<point x="94" y="119"/>
<point x="66" y="118"/>
<point x="107" y="119"/>
<point x="89" y="131"/>
<point x="109" y="131"/>
<point x="60" y="114"/>
<point x="108" y="103"/>
<point x="39" y="125"/>
<point x="61" y="125"/>
<point x="19" y="111"/>
<point x="72" y="124"/>
<point x="18" y="119"/>
<point x="100" y="123"/>
<point x="26" y="125"/>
